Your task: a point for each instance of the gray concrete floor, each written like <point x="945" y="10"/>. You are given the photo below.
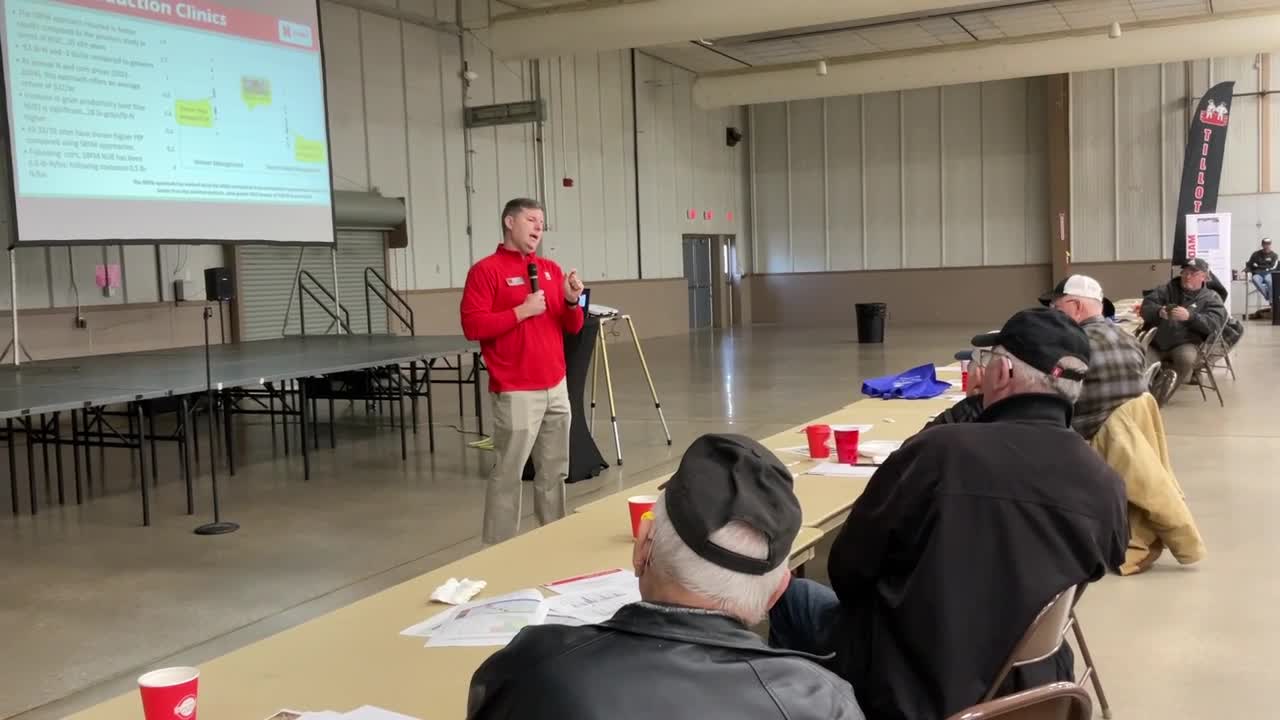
<point x="87" y="597"/>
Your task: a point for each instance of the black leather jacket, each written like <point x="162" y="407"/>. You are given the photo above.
<point x="655" y="662"/>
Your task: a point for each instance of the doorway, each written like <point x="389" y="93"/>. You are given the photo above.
<point x="697" y="271"/>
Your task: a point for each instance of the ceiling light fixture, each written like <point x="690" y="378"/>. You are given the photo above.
<point x="1114" y="33"/>
<point x="822" y="67"/>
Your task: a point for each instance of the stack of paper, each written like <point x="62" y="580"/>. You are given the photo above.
<point x="495" y="621"/>
<point x="878" y="450"/>
<point x="592" y="598"/>
<point x="366" y="712"/>
<point x="831" y="469"/>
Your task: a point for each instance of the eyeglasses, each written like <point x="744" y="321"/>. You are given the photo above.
<point x="982" y="356"/>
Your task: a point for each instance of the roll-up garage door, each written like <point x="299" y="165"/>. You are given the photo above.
<point x="265" y="276"/>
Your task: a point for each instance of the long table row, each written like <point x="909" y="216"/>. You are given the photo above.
<point x="356" y="655"/>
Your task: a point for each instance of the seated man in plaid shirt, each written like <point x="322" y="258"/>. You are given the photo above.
<point x="1118" y="361"/>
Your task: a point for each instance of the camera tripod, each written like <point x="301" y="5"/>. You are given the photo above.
<point x="608" y="379"/>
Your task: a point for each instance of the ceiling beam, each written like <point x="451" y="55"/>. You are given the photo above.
<point x="600" y="25"/>
<point x="1189" y="39"/>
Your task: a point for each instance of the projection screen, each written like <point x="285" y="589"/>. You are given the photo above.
<point x="154" y="121"/>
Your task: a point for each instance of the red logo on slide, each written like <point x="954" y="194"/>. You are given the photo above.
<point x="295" y="34"/>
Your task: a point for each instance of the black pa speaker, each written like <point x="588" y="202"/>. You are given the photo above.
<point x="732" y="136"/>
<point x="218" y="286"/>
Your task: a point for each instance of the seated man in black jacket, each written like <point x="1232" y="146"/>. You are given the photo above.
<point x="710" y="562"/>
<point x="1185" y="313"/>
<point x="964" y="534"/>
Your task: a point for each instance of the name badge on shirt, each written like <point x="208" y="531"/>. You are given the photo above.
<point x="514" y="281"/>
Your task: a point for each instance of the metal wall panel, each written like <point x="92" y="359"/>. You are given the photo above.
<point x="1138" y="177"/>
<point x="962" y="153"/>
<point x="922" y="178"/>
<point x="1037" y="237"/>
<point x="1004" y="171"/>
<point x="1240" y="164"/>
<point x="844" y="182"/>
<point x="806" y="153"/>
<point x="1093" y="167"/>
<point x="883" y="180"/>
<point x="770" y="175"/>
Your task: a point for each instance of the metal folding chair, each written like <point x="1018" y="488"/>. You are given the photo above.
<point x="1043" y="638"/>
<point x="1056" y="701"/>
<point x="1213" y="354"/>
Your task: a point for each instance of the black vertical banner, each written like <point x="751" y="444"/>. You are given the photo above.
<point x="1202" y="162"/>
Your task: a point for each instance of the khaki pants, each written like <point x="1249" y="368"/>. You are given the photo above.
<point x="524" y="422"/>
<point x="1182" y="358"/>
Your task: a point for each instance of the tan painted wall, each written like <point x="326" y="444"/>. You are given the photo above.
<point x="658" y="307"/>
<point x="1126" y="279"/>
<point x="936" y="296"/>
<point x="51" y="333"/>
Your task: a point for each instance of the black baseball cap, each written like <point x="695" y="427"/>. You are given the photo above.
<point x="732" y="477"/>
<point x="1040" y="337"/>
<point x="1196" y="264"/>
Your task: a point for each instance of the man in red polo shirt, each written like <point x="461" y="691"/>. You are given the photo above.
<point x="521" y="335"/>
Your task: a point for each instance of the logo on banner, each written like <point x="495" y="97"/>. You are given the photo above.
<point x="295" y="34"/>
<point x="1215" y="114"/>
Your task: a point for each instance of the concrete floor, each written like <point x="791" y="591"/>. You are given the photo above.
<point x="87" y="597"/>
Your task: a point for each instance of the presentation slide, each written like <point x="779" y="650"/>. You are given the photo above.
<point x="159" y="121"/>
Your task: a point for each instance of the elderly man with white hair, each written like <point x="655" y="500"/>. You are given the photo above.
<point x="1117" y="360"/>
<point x="711" y="562"/>
<point x="964" y="534"/>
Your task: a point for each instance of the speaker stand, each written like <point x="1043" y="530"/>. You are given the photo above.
<point x="218" y="526"/>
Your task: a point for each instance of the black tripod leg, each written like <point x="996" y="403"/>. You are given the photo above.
<point x="57" y="457"/>
<point x="43" y="434"/>
<point x="333" y="437"/>
<point x="75" y="455"/>
<point x="155" y="461"/>
<point x="142" y="466"/>
<point x="13" y="464"/>
<point x="184" y="457"/>
<point x="31" y="462"/>
<point x="302" y="425"/>
<point x="226" y="432"/>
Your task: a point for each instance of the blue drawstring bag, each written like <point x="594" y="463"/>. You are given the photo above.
<point x="918" y="383"/>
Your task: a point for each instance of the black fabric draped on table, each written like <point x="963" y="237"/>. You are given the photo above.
<point x="585" y="460"/>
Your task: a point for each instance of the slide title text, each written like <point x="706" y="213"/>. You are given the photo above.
<point x="186" y="11"/>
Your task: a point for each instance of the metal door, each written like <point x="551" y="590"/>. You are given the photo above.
<point x="697" y="271"/>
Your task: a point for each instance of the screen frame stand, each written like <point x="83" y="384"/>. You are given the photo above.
<point x="13" y="305"/>
<point x="218" y="526"/>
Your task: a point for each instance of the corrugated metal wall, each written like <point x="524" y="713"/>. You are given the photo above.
<point x="925" y="178"/>
<point x="265" y="279"/>
<point x="1128" y="133"/>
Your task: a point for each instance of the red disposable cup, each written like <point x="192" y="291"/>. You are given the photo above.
<point x="641" y="506"/>
<point x="169" y="694"/>
<point x="818" y="437"/>
<point x="846" y="444"/>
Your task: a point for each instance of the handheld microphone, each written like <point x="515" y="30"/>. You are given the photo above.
<point x="533" y="277"/>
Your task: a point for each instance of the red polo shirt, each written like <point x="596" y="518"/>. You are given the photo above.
<point x="525" y="355"/>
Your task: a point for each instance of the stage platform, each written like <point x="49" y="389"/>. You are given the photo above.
<point x="49" y="386"/>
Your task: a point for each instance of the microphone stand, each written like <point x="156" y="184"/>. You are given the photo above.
<point x="217" y="527"/>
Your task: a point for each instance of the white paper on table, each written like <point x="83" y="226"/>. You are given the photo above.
<point x="878" y="450"/>
<point x="804" y="451"/>
<point x="430" y="625"/>
<point x="955" y="366"/>
<point x="841" y="470"/>
<point x="602" y="580"/>
<point x="322" y="715"/>
<point x="859" y="428"/>
<point x="599" y="601"/>
<point x="493" y="621"/>
<point x="369" y="712"/>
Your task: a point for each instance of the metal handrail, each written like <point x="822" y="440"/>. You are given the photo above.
<point x="302" y="313"/>
<point x="370" y="287"/>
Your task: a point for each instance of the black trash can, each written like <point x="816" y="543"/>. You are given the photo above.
<point x="871" y="321"/>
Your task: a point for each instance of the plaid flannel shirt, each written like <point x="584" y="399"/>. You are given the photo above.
<point x="1115" y="374"/>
